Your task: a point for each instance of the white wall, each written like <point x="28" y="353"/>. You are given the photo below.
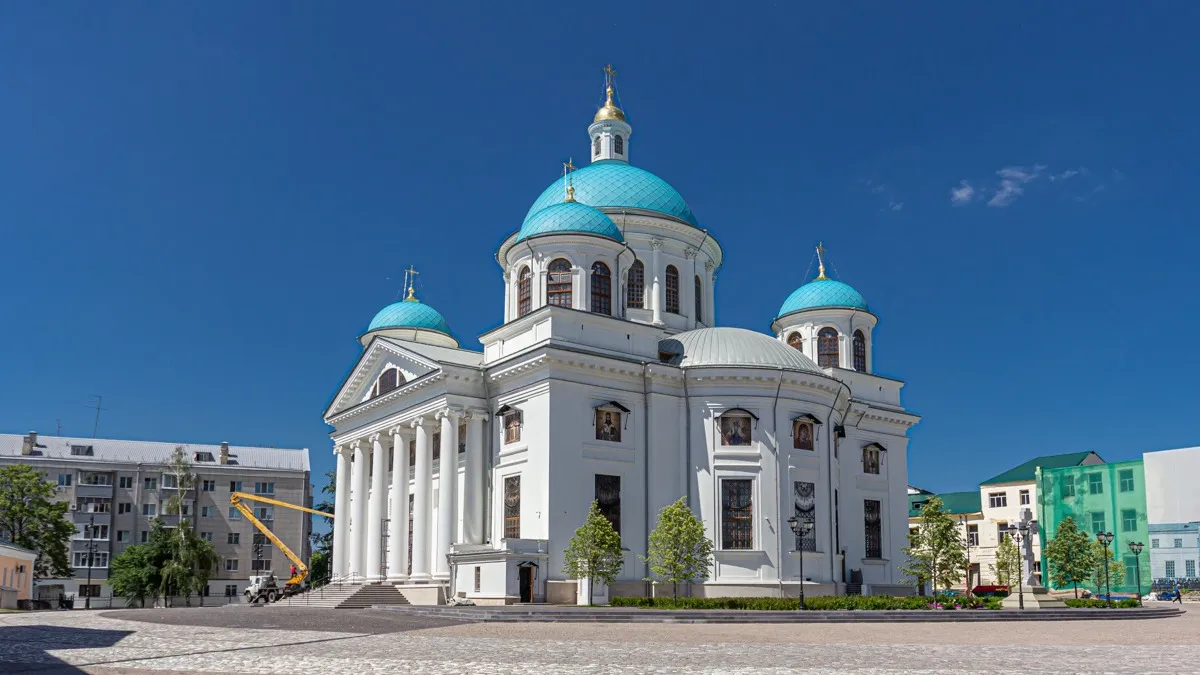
<point x="1172" y="495"/>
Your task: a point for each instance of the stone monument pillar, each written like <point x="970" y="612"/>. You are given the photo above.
<point x="1030" y="592"/>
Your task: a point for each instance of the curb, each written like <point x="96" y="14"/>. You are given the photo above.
<point x="623" y="615"/>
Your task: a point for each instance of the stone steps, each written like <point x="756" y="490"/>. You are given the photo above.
<point x="330" y="595"/>
<point x="374" y="595"/>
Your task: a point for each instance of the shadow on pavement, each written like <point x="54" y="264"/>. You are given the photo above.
<point x="26" y="649"/>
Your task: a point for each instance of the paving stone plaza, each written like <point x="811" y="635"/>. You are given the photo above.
<point x="295" y="640"/>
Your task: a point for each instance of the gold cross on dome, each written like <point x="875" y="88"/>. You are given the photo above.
<point x="410" y="276"/>
<point x="569" y="165"/>
<point x="821" y="262"/>
<point x="608" y="70"/>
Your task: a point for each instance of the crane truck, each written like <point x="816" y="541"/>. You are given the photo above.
<point x="265" y="587"/>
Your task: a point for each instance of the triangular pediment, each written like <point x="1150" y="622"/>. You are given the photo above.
<point x="380" y="355"/>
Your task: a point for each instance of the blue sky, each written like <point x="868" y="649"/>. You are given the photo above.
<point x="201" y="205"/>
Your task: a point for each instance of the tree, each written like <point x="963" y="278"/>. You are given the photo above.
<point x="133" y="575"/>
<point x="319" y="568"/>
<point x="323" y="541"/>
<point x="180" y="468"/>
<point x="30" y="518"/>
<point x="1069" y="555"/>
<point x="1116" y="570"/>
<point x="936" y="551"/>
<point x="595" y="551"/>
<point x="679" y="551"/>
<point x="1008" y="563"/>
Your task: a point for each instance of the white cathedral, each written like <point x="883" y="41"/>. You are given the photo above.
<point x="610" y="381"/>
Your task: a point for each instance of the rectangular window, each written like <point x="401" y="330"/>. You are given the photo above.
<point x="231" y="590"/>
<point x="737" y="514"/>
<point x="64" y="480"/>
<point x="82" y="451"/>
<point x="208" y="486"/>
<point x="871" y="459"/>
<point x="478" y="577"/>
<point x="1097" y="521"/>
<point x="125" y="482"/>
<point x="972" y="535"/>
<point x="96" y="479"/>
<point x="260" y="565"/>
<point x="997" y="500"/>
<point x="1068" y="486"/>
<point x="1153" y="543"/>
<point x="203" y="457"/>
<point x="122" y="536"/>
<point x="264" y="488"/>
<point x="462" y="439"/>
<point x="512" y="507"/>
<point x="261" y="539"/>
<point x="1178" y="543"/>
<point x="437" y="447"/>
<point x="1126" y="478"/>
<point x="873" y="522"/>
<point x="231" y="565"/>
<point x="150" y="483"/>
<point x="735" y="429"/>
<point x="99" y="532"/>
<point x="207" y="536"/>
<point x="264" y="512"/>
<point x="124" y="507"/>
<point x="1128" y="520"/>
<point x="169" y="481"/>
<point x="608" y="497"/>
<point x="99" y="559"/>
<point x="86" y="591"/>
<point x="206" y="511"/>
<point x="1170" y="569"/>
<point x="804" y="507"/>
<point x="1024" y="497"/>
<point x="233" y="538"/>
<point x="93" y="504"/>
<point x="1001" y="531"/>
<point x="1095" y="484"/>
<point x="1189" y="568"/>
<point x="149" y="509"/>
<point x="234" y="514"/>
<point x="1130" y="568"/>
<point x="512" y="426"/>
<point x="235" y="486"/>
<point x="412" y="454"/>
<point x="145" y="537"/>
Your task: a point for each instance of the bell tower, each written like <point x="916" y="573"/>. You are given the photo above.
<point x="609" y="132"/>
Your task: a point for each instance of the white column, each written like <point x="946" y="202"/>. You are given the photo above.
<point x="509" y="314"/>
<point x="358" y="531"/>
<point x="687" y="289"/>
<point x="376" y="506"/>
<point x="422" y="493"/>
<point x="447" y="482"/>
<point x="341" y="521"/>
<point x="710" y="294"/>
<point x="397" y="560"/>
<point x="655" y="286"/>
<point x="473" y="481"/>
<point x="583" y="296"/>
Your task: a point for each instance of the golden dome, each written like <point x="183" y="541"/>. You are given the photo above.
<point x="609" y="111"/>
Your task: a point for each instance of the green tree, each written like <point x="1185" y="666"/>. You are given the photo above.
<point x="1008" y="563"/>
<point x="679" y="551"/>
<point x="1116" y="570"/>
<point x="936" y="551"/>
<point x="323" y="541"/>
<point x="30" y="518"/>
<point x="134" y="575"/>
<point x="319" y="568"/>
<point x="1070" y="556"/>
<point x="595" y="551"/>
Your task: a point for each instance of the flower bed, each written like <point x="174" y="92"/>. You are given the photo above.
<point x="1095" y="603"/>
<point x="824" y="602"/>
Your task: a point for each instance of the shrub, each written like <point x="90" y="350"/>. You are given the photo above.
<point x="1096" y="603"/>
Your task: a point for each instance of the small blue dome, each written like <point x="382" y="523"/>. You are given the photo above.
<point x="409" y="314"/>
<point x="615" y="183"/>
<point x="822" y="293"/>
<point x="566" y="217"/>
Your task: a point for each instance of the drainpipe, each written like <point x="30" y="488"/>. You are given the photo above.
<point x="778" y="499"/>
<point x="833" y="519"/>
<point x="646" y="462"/>
<point x="687" y="425"/>
<point x="698" y="250"/>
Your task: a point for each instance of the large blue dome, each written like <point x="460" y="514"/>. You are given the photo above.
<point x="409" y="314"/>
<point x="571" y="217"/>
<point x="822" y="293"/>
<point x="614" y="183"/>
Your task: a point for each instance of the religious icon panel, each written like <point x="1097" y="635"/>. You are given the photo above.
<point x="735" y="430"/>
<point x="802" y="435"/>
<point x="608" y="425"/>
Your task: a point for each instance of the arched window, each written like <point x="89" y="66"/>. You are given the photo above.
<point x="672" y="289"/>
<point x="601" y="289"/>
<point x="389" y="380"/>
<point x="796" y="342"/>
<point x="860" y="351"/>
<point x="619" y="144"/>
<point x="558" y="283"/>
<point x="524" y="291"/>
<point x="635" y="292"/>
<point x="827" y="348"/>
<point x="596" y="145"/>
<point x="699" y="301"/>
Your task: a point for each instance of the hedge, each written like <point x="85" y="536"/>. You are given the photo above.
<point x="823" y="602"/>
<point x="1096" y="603"/>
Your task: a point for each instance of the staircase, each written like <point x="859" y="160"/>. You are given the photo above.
<point x="853" y="589"/>
<point x="346" y="596"/>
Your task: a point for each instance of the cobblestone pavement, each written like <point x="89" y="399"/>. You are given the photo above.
<point x="221" y="641"/>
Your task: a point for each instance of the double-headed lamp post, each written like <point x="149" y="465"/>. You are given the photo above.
<point x="89" y="533"/>
<point x="1136" y="548"/>
<point x="800" y="528"/>
<point x="1019" y="534"/>
<point x="1106" y="538"/>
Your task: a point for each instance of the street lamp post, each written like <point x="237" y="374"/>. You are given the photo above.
<point x="1018" y="534"/>
<point x="1136" y="548"/>
<point x="800" y="528"/>
<point x="88" y="533"/>
<point x="1106" y="539"/>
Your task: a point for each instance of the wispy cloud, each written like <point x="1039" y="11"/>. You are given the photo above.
<point x="888" y="196"/>
<point x="1012" y="182"/>
<point x="1069" y="173"/>
<point x="895" y="206"/>
<point x="963" y="194"/>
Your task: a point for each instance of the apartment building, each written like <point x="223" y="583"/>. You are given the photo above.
<point x="116" y="489"/>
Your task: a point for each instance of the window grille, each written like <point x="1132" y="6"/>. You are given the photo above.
<point x="558" y="283"/>
<point x="672" y="289"/>
<point x="873" y="520"/>
<point x="512" y="507"/>
<point x="601" y="289"/>
<point x="737" y="514"/>
<point x="635" y="292"/>
<point x="804" y="496"/>
<point x="827" y="348"/>
<point x="608" y="498"/>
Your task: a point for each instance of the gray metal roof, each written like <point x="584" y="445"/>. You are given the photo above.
<point x="734" y="347"/>
<point x="459" y="357"/>
<point x="153" y="452"/>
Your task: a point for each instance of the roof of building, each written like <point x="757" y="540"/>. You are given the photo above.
<point x="955" y="503"/>
<point x="1026" y="472"/>
<point x="570" y="217"/>
<point x="615" y="183"/>
<point x="409" y="313"/>
<point x="154" y="452"/>
<point x="734" y="347"/>
<point x="822" y="293"/>
<point x="459" y="357"/>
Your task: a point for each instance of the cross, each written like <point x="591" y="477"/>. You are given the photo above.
<point x="821" y="261"/>
<point x="608" y="70"/>
<point x="568" y="165"/>
<point x="410" y="279"/>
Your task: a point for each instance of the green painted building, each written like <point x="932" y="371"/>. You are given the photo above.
<point x="1101" y="498"/>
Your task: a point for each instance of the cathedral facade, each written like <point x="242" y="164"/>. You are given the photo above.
<point x="609" y="381"/>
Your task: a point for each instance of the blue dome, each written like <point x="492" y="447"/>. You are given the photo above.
<point x="822" y="293"/>
<point x="569" y="217"/>
<point x="409" y="314"/>
<point x="614" y="183"/>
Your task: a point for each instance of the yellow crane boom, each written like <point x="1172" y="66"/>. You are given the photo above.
<point x="236" y="499"/>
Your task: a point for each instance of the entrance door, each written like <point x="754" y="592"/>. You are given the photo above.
<point x="525" y="577"/>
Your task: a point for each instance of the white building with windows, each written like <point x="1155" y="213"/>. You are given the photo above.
<point x="468" y="471"/>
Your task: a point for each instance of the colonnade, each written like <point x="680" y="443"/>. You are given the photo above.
<point x="364" y="490"/>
